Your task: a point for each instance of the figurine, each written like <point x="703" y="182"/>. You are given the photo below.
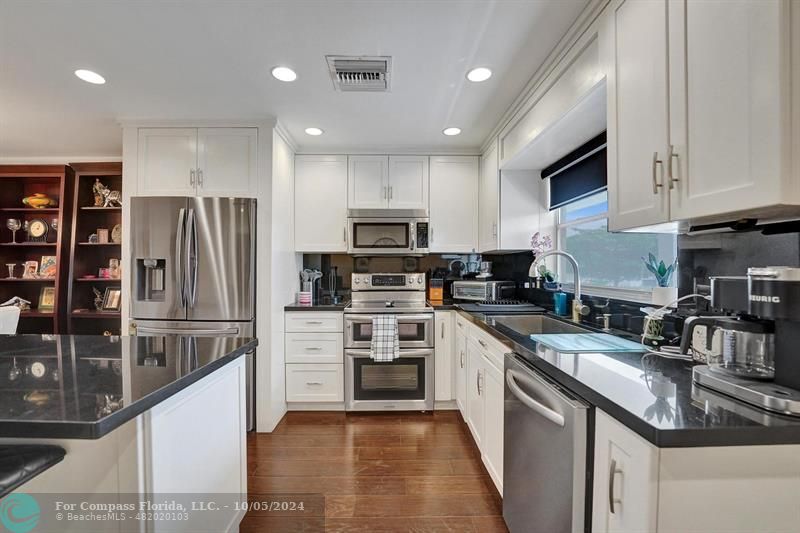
<point x="22" y="303"/>
<point x="98" y="299"/>
<point x="97" y="191"/>
<point x="39" y="201"/>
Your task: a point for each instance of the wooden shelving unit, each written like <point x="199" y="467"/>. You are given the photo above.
<point x="17" y="182"/>
<point x="87" y="258"/>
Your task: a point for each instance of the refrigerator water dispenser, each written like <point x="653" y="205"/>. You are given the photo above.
<point x="150" y="277"/>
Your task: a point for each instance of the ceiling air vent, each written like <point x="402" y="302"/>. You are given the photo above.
<point x="357" y="73"/>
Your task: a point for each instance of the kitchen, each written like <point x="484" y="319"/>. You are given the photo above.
<point x="532" y="270"/>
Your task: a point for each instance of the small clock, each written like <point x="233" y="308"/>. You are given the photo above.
<point x="37" y="230"/>
<point x="38" y="369"/>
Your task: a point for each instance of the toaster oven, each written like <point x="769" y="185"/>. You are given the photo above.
<point x="484" y="291"/>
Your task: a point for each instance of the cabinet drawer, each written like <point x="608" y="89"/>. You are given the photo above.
<point x="314" y="383"/>
<point x="494" y="350"/>
<point x="314" y="348"/>
<point x="306" y="321"/>
<point x="462" y="324"/>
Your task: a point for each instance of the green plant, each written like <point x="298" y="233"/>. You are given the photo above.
<point x="548" y="275"/>
<point x="662" y="272"/>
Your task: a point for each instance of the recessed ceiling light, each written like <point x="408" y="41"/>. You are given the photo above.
<point x="479" y="74"/>
<point x="451" y="131"/>
<point x="91" y="77"/>
<point x="284" y="74"/>
<point x="313" y="131"/>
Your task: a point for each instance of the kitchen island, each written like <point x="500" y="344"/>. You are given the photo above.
<point x="140" y="418"/>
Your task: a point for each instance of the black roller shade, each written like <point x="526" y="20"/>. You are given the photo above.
<point x="578" y="174"/>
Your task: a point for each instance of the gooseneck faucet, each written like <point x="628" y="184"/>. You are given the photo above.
<point x="578" y="309"/>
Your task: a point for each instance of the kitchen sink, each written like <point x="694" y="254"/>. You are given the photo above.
<point x="536" y="324"/>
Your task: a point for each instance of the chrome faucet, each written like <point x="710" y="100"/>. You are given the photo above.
<point x="578" y="309"/>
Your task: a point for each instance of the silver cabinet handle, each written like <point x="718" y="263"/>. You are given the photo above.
<point x="482" y="343"/>
<point x="656" y="162"/>
<point x="494" y="229"/>
<point x="313" y="383"/>
<point x="199" y="177"/>
<point x="462" y="358"/>
<point x="390" y="192"/>
<point x="313" y="348"/>
<point x="191" y="176"/>
<point x="612" y="473"/>
<point x="459" y="324"/>
<point x="344" y="234"/>
<point x="443" y="331"/>
<point x="671" y="154"/>
<point x="385" y="193"/>
<point x="529" y="402"/>
<point x="431" y="231"/>
<point x="478" y="382"/>
<point x="313" y="322"/>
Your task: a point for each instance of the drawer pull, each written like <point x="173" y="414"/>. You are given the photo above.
<point x="314" y="322"/>
<point x="482" y="343"/>
<point x="313" y="383"/>
<point x="313" y="348"/>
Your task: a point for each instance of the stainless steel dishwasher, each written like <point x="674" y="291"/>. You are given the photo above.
<point x="545" y="470"/>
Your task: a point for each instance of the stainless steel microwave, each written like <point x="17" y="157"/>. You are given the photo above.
<point x="387" y="236"/>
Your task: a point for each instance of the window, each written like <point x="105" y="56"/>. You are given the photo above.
<point x="609" y="261"/>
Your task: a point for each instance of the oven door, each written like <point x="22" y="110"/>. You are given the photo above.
<point x="381" y="236"/>
<point x="405" y="384"/>
<point x="414" y="331"/>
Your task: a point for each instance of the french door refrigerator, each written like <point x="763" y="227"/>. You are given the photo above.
<point x="193" y="270"/>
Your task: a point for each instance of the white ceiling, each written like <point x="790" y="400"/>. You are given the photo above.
<point x="212" y="60"/>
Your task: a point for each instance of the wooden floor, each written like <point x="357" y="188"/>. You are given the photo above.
<point x="376" y="473"/>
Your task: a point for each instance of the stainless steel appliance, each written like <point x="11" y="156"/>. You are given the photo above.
<point x="394" y="235"/>
<point x="405" y="384"/>
<point x="771" y="293"/>
<point x="545" y="444"/>
<point x="193" y="269"/>
<point x="742" y="346"/>
<point x="484" y="290"/>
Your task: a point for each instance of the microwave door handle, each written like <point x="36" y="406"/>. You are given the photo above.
<point x="180" y="236"/>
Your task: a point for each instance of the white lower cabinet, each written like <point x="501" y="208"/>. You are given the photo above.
<point x="313" y="345"/>
<point x="443" y="356"/>
<point x="460" y="364"/>
<point x="314" y="383"/>
<point x="493" y="403"/>
<point x="475" y="410"/>
<point x="639" y="487"/>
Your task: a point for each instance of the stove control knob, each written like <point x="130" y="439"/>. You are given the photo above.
<point x="419" y="280"/>
<point x="357" y="281"/>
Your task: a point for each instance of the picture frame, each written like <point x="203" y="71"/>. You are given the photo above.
<point x="30" y="270"/>
<point x="47" y="299"/>
<point x="48" y="267"/>
<point x="102" y="235"/>
<point x="112" y="300"/>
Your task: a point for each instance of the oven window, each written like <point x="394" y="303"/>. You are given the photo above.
<point x="402" y="379"/>
<point x="381" y="235"/>
<point x="406" y="331"/>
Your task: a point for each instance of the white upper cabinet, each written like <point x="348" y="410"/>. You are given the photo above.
<point x="700" y="122"/>
<point x="454" y="186"/>
<point x="638" y="113"/>
<point x="489" y="201"/>
<point x="167" y="161"/>
<point x="729" y="104"/>
<point x="408" y="182"/>
<point x="368" y="182"/>
<point x="320" y="203"/>
<point x="227" y="161"/>
<point x="197" y="162"/>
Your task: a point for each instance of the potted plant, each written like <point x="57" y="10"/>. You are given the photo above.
<point x="664" y="294"/>
<point x="539" y="244"/>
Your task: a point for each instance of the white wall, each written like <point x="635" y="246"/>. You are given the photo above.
<point x="282" y="283"/>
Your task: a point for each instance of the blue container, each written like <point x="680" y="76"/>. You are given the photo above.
<point x="560" y="303"/>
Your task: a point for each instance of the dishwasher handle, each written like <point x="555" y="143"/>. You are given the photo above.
<point x="529" y="402"/>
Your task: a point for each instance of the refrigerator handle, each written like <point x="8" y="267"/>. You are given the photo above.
<point x="179" y="245"/>
<point x="233" y="330"/>
<point x="191" y="260"/>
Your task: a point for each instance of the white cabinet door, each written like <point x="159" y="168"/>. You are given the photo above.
<point x="625" y="490"/>
<point x="227" y="161"/>
<point x="454" y="186"/>
<point x="727" y="75"/>
<point x="368" y="182"/>
<point x="460" y="366"/>
<point x="475" y="412"/>
<point x="320" y="203"/>
<point x="408" y="182"/>
<point x="494" y="402"/>
<point x="489" y="201"/>
<point x="314" y="383"/>
<point x="635" y="52"/>
<point x="167" y="162"/>
<point x="443" y="368"/>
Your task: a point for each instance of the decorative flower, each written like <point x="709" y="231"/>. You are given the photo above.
<point x="540" y="243"/>
<point x="662" y="272"/>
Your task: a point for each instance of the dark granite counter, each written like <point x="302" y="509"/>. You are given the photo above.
<point x="442" y="305"/>
<point x="317" y="307"/>
<point x="76" y="386"/>
<point x="653" y="396"/>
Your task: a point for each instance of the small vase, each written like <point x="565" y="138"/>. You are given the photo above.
<point x="665" y="295"/>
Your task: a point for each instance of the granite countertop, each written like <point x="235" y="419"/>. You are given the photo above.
<point x="442" y="305"/>
<point x="317" y="307"/>
<point x="653" y="396"/>
<point x="85" y="386"/>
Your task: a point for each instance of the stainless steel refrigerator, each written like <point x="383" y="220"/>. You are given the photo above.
<point x="193" y="270"/>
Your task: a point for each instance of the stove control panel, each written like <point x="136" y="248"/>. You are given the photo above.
<point x="384" y="282"/>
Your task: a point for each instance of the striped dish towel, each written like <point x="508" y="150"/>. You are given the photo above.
<point x="385" y="343"/>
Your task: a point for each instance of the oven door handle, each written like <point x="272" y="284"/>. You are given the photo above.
<point x="421" y="352"/>
<point x="400" y="317"/>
